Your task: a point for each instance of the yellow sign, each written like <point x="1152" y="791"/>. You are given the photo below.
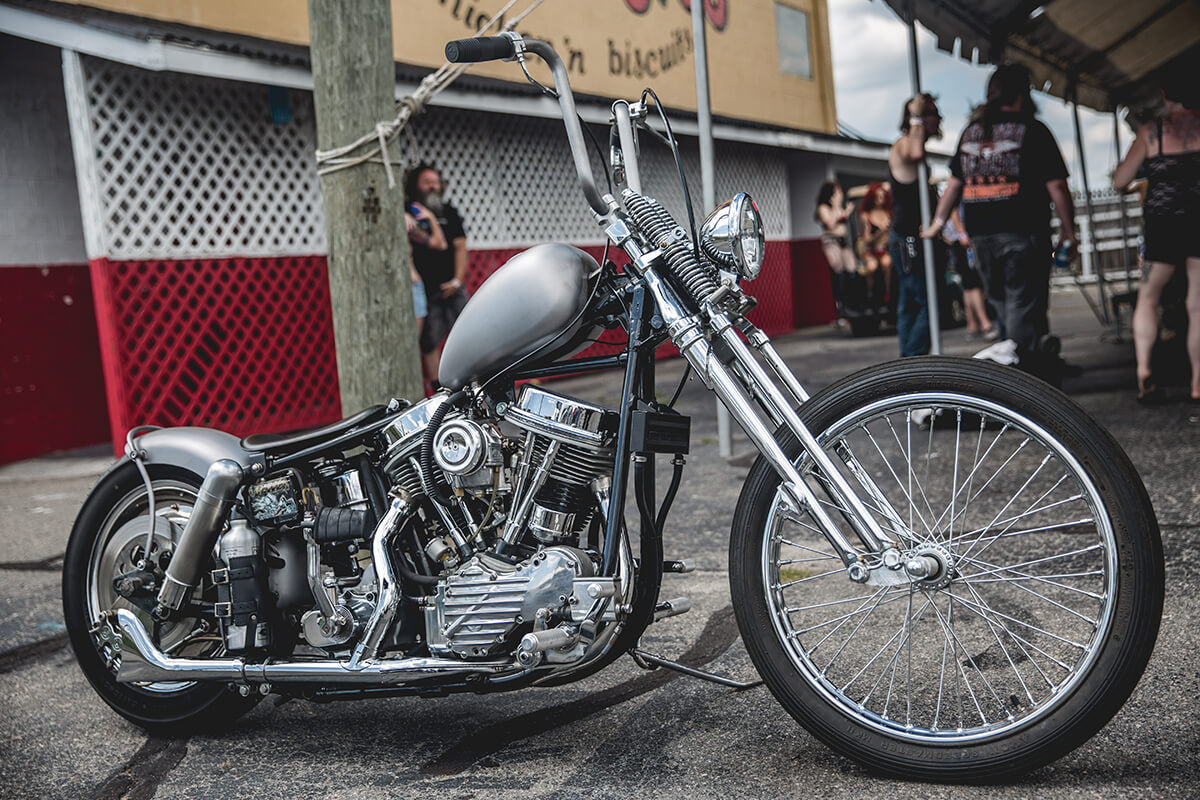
<point x="769" y="60"/>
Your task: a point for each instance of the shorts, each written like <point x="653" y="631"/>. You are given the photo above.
<point x="443" y="313"/>
<point x="420" y="304"/>
<point x="1171" y="240"/>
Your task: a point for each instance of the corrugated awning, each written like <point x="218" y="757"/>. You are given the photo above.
<point x="1112" y="51"/>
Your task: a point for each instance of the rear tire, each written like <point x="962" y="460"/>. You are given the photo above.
<point x="109" y="531"/>
<point x="1006" y="659"/>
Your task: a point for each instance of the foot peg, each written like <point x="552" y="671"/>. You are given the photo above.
<point x="672" y="608"/>
<point x="533" y="645"/>
<point x="678" y="566"/>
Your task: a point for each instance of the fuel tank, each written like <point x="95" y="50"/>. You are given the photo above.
<point x="531" y="302"/>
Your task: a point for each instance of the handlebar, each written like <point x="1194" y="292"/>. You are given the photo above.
<point x="480" y="48"/>
<point x="492" y="48"/>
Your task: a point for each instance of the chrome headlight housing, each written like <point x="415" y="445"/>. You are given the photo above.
<point x="732" y="235"/>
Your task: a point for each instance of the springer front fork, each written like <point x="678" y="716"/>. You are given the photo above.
<point x="712" y="345"/>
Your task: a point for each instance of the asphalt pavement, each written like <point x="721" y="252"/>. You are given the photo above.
<point x="625" y="732"/>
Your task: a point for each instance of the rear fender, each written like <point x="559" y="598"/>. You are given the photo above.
<point x="196" y="449"/>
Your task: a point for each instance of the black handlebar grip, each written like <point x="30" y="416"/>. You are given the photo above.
<point x="481" y="48"/>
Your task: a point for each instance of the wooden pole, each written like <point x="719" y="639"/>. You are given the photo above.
<point x="371" y="292"/>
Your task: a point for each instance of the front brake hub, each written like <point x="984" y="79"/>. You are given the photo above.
<point x="930" y="566"/>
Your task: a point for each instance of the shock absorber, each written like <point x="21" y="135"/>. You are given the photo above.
<point x="700" y="279"/>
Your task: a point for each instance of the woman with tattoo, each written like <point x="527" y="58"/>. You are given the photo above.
<point x="1170" y="149"/>
<point x="832" y="214"/>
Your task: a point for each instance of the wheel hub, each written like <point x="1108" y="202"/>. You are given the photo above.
<point x="931" y="566"/>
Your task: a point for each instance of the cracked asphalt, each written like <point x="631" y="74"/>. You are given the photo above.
<point x="624" y="732"/>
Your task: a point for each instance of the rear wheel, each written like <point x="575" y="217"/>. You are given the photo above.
<point x="1045" y="588"/>
<point x="109" y="539"/>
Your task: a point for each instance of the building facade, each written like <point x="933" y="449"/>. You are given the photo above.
<point x="164" y="251"/>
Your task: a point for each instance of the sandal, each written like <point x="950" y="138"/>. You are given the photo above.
<point x="1150" y="394"/>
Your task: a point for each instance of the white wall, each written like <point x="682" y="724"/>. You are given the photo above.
<point x="39" y="202"/>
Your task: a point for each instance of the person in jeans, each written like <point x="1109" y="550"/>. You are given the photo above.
<point x="919" y="123"/>
<point x="1008" y="169"/>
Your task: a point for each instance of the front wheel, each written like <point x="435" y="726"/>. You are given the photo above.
<point x="1045" y="583"/>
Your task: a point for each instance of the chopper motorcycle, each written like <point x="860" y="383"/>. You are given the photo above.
<point x="942" y="568"/>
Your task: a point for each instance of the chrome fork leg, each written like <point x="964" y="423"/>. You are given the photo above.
<point x="699" y="353"/>
<point x="686" y="332"/>
<point x="864" y="523"/>
<point x="762" y="343"/>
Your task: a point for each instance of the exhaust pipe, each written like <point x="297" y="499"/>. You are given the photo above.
<point x="141" y="660"/>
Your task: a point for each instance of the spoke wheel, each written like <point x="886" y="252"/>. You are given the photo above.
<point x="109" y="540"/>
<point x="1033" y="588"/>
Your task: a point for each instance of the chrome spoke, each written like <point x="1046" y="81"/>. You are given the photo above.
<point x="887" y="463"/>
<point x="1020" y="642"/>
<point x="1000" y="639"/>
<point x="854" y="632"/>
<point x="1024" y="624"/>
<point x="838" y="571"/>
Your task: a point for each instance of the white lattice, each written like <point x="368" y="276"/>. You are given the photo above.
<point x="514" y="181"/>
<point x="193" y="167"/>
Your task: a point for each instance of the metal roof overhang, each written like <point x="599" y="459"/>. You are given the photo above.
<point x="1110" y="52"/>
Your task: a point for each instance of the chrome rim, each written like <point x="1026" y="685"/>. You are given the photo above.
<point x="1021" y="596"/>
<point x="118" y="548"/>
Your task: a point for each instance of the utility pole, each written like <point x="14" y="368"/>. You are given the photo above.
<point x="370" y="288"/>
<point x="708" y="180"/>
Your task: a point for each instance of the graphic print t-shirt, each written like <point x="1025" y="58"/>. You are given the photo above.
<point x="1004" y="176"/>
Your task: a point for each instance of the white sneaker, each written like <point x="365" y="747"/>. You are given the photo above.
<point x="1004" y="352"/>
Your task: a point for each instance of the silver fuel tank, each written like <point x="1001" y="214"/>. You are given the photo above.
<point x="534" y="300"/>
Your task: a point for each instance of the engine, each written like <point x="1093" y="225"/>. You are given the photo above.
<point x="538" y="475"/>
<point x="495" y="539"/>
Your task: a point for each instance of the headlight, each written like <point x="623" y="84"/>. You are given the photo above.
<point x="732" y="235"/>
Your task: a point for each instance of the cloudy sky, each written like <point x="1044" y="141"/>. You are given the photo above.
<point x="871" y="78"/>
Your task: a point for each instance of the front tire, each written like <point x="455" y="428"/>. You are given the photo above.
<point x="1044" y="606"/>
<point x="107" y="540"/>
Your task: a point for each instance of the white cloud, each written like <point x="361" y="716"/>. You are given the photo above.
<point x="871" y="76"/>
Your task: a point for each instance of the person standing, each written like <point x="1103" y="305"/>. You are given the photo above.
<point x="1170" y="149"/>
<point x="443" y="269"/>
<point x="1008" y="169"/>
<point x="960" y="257"/>
<point x="920" y="123"/>
<point x="875" y="216"/>
<point x="835" y="241"/>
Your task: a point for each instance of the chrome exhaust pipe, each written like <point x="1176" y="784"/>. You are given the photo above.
<point x="141" y="661"/>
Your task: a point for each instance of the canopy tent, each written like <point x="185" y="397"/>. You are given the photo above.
<point x="1098" y="53"/>
<point x="1103" y="53"/>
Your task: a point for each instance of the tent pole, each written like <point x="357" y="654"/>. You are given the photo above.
<point x="931" y="287"/>
<point x="1087" y="197"/>
<point x="708" y="190"/>
<point x="1124" y="210"/>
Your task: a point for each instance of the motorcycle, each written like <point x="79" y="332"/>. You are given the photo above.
<point x="942" y="568"/>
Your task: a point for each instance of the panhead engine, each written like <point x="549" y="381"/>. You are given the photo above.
<point x="558" y="469"/>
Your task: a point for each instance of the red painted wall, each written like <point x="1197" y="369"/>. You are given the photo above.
<point x="51" y="386"/>
<point x="240" y="344"/>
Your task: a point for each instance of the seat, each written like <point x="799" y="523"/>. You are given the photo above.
<point x="279" y="443"/>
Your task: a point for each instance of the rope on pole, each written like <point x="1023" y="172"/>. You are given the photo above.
<point x="372" y="147"/>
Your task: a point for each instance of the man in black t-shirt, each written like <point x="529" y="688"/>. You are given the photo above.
<point x="1008" y="169"/>
<point x="439" y="253"/>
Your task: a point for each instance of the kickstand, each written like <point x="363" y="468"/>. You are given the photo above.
<point x="650" y="661"/>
